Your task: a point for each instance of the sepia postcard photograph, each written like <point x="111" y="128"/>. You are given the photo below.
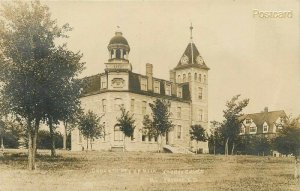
<point x="153" y="95"/>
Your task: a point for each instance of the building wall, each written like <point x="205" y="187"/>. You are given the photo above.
<point x="95" y="104"/>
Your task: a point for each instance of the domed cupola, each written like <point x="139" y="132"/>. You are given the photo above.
<point x="118" y="47"/>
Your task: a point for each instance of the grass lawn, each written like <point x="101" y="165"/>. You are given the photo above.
<point x="146" y="171"/>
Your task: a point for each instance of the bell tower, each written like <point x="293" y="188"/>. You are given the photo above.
<point x="192" y="69"/>
<point x="118" y="50"/>
<point x="118" y="66"/>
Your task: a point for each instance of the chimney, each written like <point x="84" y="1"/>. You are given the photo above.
<point x="172" y="76"/>
<point x="266" y="110"/>
<point x="149" y="74"/>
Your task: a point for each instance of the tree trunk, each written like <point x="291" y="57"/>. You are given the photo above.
<point x="65" y="136"/>
<point x="34" y="142"/>
<point x="160" y="145"/>
<point x="214" y="147"/>
<point x="232" y="150"/>
<point x="124" y="143"/>
<point x="30" y="148"/>
<point x="87" y="144"/>
<point x="91" y="144"/>
<point x="226" y="147"/>
<point x="30" y="153"/>
<point x="2" y="145"/>
<point x="52" y="138"/>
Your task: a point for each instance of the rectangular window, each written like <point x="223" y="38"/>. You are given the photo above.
<point x="242" y="130"/>
<point x="118" y="134"/>
<point x="168" y="89"/>
<point x="156" y="87"/>
<point x="200" y="92"/>
<point x="118" y="104"/>
<point x="144" y="107"/>
<point x="179" y="92"/>
<point x="248" y="121"/>
<point x="178" y="131"/>
<point x="132" y="105"/>
<point x="200" y="115"/>
<point x="265" y="128"/>
<point x="178" y="112"/>
<point x="104" y="105"/>
<point x="144" y="84"/>
<point x="252" y="130"/>
<point x="103" y="82"/>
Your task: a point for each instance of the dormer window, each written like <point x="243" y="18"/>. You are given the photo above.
<point x="265" y="127"/>
<point x="168" y="89"/>
<point x="156" y="87"/>
<point x="144" y="84"/>
<point x="242" y="130"/>
<point x="248" y="121"/>
<point x="103" y="82"/>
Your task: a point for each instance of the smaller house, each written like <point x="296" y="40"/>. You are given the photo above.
<point x="266" y="123"/>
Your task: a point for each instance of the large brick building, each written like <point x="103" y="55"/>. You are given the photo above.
<point x="187" y="91"/>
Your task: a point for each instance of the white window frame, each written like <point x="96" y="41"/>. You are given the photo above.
<point x="144" y="85"/>
<point x="242" y="130"/>
<point x="168" y="89"/>
<point x="132" y="104"/>
<point x="179" y="112"/>
<point x="144" y="107"/>
<point x="265" y="125"/>
<point x="103" y="82"/>
<point x="179" y="132"/>
<point x="252" y="132"/>
<point x="156" y="87"/>
<point x="200" y="93"/>
<point x="104" y="105"/>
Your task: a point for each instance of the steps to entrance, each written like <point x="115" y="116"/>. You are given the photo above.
<point x="117" y="148"/>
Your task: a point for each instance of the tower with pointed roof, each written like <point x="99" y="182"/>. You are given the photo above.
<point x="192" y="69"/>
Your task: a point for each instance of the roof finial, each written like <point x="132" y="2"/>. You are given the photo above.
<point x="118" y="31"/>
<point x="191" y="28"/>
<point x="192" y="52"/>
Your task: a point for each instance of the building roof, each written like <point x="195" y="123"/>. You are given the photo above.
<point x="191" y="58"/>
<point x="118" y="39"/>
<point x="92" y="86"/>
<point x="268" y="117"/>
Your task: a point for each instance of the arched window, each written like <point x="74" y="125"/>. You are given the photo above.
<point x="104" y="105"/>
<point x="189" y="77"/>
<point x="200" y="78"/>
<point x="118" y="134"/>
<point x="178" y="79"/>
<point x="184" y="78"/>
<point x="195" y="77"/>
<point x="118" y="53"/>
<point x="112" y="54"/>
<point x="118" y="104"/>
<point x="124" y="54"/>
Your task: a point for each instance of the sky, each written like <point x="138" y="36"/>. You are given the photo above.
<point x="248" y="55"/>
